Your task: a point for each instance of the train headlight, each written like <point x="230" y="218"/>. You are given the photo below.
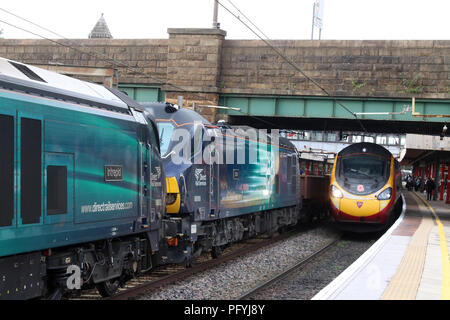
<point x="385" y="195"/>
<point x="171" y="198"/>
<point x="336" y="193"/>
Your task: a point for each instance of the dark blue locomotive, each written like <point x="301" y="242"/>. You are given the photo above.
<point x="82" y="192"/>
<point x="224" y="184"/>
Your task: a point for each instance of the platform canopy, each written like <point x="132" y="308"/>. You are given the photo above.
<point x="424" y="149"/>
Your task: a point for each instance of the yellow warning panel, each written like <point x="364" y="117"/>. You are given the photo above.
<point x="359" y="207"/>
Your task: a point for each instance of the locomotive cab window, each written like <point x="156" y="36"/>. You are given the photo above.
<point x="56" y="190"/>
<point x="152" y="136"/>
<point x="197" y="140"/>
<point x="165" y="134"/>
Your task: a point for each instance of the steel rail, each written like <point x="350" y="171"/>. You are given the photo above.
<point x="185" y="273"/>
<point x="280" y="276"/>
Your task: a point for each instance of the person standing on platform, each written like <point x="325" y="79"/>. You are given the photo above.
<point x="430" y="186"/>
<point x="409" y="183"/>
<point x="436" y="190"/>
<point x="418" y="182"/>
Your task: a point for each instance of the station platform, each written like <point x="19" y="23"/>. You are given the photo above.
<point x="409" y="262"/>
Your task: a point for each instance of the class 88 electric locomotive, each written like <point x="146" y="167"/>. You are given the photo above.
<point x="364" y="187"/>
<point x="219" y="194"/>
<point x="81" y="185"/>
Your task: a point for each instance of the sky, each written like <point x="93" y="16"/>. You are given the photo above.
<point x="280" y="19"/>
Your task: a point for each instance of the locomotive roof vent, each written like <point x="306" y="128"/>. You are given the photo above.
<point x="223" y="124"/>
<point x="26" y="71"/>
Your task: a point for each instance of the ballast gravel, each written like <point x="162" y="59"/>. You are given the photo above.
<point x="303" y="284"/>
<point x="232" y="279"/>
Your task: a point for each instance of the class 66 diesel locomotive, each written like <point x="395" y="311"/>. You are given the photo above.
<point x="365" y="188"/>
<point x="224" y="183"/>
<point x="82" y="185"/>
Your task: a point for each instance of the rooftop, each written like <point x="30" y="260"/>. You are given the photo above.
<point x="100" y="30"/>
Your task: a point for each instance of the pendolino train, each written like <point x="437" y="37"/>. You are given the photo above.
<point x="214" y="203"/>
<point x="365" y="187"/>
<point x="82" y="185"/>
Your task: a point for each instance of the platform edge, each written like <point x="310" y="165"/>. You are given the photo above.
<point x="348" y="274"/>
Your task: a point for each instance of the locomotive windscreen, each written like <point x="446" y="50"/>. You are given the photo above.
<point x="165" y="133"/>
<point x="363" y="167"/>
<point x="362" y="174"/>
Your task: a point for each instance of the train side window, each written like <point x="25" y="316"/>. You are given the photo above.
<point x="56" y="190"/>
<point x="288" y="166"/>
<point x="6" y="170"/>
<point x="30" y="170"/>
<point x="277" y="183"/>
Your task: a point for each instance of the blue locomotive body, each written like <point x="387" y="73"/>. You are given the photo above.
<point x="81" y="184"/>
<point x="224" y="195"/>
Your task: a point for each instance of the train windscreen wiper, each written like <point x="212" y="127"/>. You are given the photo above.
<point x="360" y="172"/>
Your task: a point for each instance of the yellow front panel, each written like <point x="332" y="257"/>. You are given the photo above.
<point x="365" y="208"/>
<point x="172" y="187"/>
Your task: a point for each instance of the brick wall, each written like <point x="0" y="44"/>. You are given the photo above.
<point x="194" y="58"/>
<point x="204" y="64"/>
<point x="147" y="59"/>
<point x="344" y="68"/>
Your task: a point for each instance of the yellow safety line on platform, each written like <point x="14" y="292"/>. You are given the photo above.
<point x="444" y="254"/>
<point x="406" y="280"/>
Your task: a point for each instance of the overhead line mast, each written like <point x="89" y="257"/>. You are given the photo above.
<point x="215" y="25"/>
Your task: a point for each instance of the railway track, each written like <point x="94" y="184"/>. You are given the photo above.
<point x="165" y="275"/>
<point x="280" y="276"/>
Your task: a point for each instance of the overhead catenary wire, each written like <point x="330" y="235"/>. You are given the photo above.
<point x="287" y="59"/>
<point x="248" y="19"/>
<point x="93" y="53"/>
